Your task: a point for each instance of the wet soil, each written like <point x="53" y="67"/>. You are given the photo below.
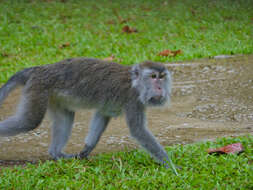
<point x="211" y="98"/>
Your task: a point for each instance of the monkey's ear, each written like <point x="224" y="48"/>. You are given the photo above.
<point x="135" y="72"/>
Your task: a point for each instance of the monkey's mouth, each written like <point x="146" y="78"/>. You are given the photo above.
<point x="157" y="100"/>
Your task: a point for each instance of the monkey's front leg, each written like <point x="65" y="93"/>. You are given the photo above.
<point x="136" y="121"/>
<point x="97" y="127"/>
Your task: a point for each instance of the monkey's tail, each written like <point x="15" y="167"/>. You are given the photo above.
<point x="18" y="79"/>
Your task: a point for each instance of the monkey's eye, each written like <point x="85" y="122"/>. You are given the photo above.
<point x="153" y="76"/>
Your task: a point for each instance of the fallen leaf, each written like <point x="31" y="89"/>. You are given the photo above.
<point x="170" y="53"/>
<point x="67" y="44"/>
<point x="229" y="149"/>
<point x="177" y="52"/>
<point x="128" y="29"/>
<point x="166" y="52"/>
<point x="111" y="58"/>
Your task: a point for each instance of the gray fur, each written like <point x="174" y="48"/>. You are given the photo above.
<point x="16" y="80"/>
<point x="78" y="83"/>
<point x="29" y="114"/>
<point x="61" y="130"/>
<point x="97" y="127"/>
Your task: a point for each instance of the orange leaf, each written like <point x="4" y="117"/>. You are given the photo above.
<point x="177" y="52"/>
<point x="111" y="58"/>
<point x="67" y="44"/>
<point x="166" y="52"/>
<point x="170" y="53"/>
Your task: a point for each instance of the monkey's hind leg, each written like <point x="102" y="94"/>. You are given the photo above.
<point x="97" y="127"/>
<point x="29" y="114"/>
<point x="61" y="130"/>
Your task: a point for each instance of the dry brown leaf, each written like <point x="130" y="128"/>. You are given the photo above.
<point x="177" y="52"/>
<point x="67" y="44"/>
<point x="111" y="58"/>
<point x="128" y="29"/>
<point x="229" y="149"/>
<point x="170" y="53"/>
<point x="166" y="52"/>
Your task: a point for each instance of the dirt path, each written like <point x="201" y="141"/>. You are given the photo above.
<point x="211" y="98"/>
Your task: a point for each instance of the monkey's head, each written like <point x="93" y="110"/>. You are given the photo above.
<point x="153" y="83"/>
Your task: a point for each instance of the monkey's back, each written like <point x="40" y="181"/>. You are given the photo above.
<point x="85" y="82"/>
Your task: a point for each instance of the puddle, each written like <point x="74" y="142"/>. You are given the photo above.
<point x="211" y="98"/>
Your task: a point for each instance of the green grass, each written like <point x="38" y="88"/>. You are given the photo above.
<point x="31" y="31"/>
<point x="136" y="170"/>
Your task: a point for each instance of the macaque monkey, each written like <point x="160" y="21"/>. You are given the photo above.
<point x="72" y="84"/>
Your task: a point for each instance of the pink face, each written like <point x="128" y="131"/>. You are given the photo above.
<point x="157" y="80"/>
<point x="153" y="84"/>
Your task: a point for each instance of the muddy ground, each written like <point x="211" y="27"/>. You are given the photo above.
<point x="211" y="98"/>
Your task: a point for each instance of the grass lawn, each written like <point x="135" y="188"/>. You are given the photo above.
<point x="34" y="32"/>
<point x="136" y="170"/>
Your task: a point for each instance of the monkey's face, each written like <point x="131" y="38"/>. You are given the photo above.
<point x="156" y="91"/>
<point x="153" y="85"/>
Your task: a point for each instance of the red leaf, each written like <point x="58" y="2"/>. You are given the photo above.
<point x="166" y="52"/>
<point x="128" y="29"/>
<point x="229" y="149"/>
<point x="171" y="53"/>
<point x="67" y="44"/>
